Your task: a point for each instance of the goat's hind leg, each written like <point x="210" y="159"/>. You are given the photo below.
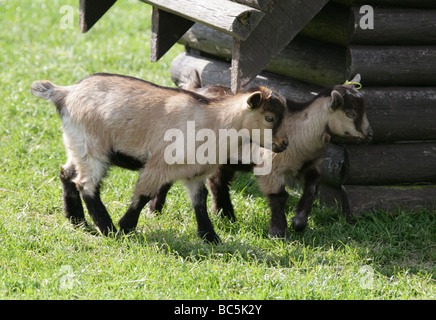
<point x="312" y="178"/>
<point x="219" y="186"/>
<point x="72" y="204"/>
<point x="198" y="194"/>
<point x="90" y="175"/>
<point x="130" y="219"/>
<point x="156" y="204"/>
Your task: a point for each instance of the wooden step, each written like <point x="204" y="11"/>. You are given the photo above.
<point x="232" y="18"/>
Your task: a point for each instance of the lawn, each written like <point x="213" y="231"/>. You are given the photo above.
<point x="380" y="256"/>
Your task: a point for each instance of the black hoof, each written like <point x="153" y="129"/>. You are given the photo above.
<point x="210" y="237"/>
<point x="275" y="232"/>
<point x="299" y="224"/>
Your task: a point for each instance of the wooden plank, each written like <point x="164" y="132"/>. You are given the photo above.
<point x="355" y="200"/>
<point x="90" y="11"/>
<point x="166" y="30"/>
<point x="390" y="3"/>
<point x="393" y="65"/>
<point x="340" y="24"/>
<point x="232" y="18"/>
<point x="390" y="163"/>
<point x="283" y="21"/>
<point x="303" y="59"/>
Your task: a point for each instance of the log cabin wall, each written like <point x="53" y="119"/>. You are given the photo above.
<point x="397" y="62"/>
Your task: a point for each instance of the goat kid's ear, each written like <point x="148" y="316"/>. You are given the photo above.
<point x="356" y="78"/>
<point x="337" y="100"/>
<point x="254" y="100"/>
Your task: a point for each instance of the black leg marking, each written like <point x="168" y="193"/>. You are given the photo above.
<point x="312" y="178"/>
<point x="156" y="204"/>
<point x="130" y="219"/>
<point x="277" y="202"/>
<point x="98" y="212"/>
<point x="204" y="225"/>
<point x="219" y="186"/>
<point x="72" y="204"/>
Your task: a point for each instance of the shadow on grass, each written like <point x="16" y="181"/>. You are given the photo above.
<point x="391" y="242"/>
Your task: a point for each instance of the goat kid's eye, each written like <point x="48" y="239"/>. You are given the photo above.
<point x="269" y="118"/>
<point x="350" y="114"/>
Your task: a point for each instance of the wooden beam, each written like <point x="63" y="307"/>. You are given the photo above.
<point x="90" y="11"/>
<point x="282" y="22"/>
<point x="166" y="30"/>
<point x="232" y="18"/>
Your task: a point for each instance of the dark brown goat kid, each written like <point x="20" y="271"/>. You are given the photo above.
<point x="338" y="111"/>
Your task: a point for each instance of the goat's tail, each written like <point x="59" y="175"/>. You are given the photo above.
<point x="49" y="91"/>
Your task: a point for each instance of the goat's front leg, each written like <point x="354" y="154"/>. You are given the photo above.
<point x="98" y="212"/>
<point x="198" y="194"/>
<point x="278" y="225"/>
<point x="130" y="219"/>
<point x="219" y="186"/>
<point x="156" y="204"/>
<point x="312" y="178"/>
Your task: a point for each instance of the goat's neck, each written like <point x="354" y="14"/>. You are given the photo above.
<point x="310" y="125"/>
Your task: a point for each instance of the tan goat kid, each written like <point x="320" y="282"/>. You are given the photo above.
<point x="118" y="120"/>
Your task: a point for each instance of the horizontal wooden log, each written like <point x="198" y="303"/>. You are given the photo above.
<point x="380" y="164"/>
<point x="232" y="18"/>
<point x="390" y="3"/>
<point x="356" y="200"/>
<point x="393" y="65"/>
<point x="390" y="163"/>
<point x="395" y="113"/>
<point x="401" y="113"/>
<point x="339" y="24"/>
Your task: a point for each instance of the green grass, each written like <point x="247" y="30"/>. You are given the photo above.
<point x="43" y="257"/>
